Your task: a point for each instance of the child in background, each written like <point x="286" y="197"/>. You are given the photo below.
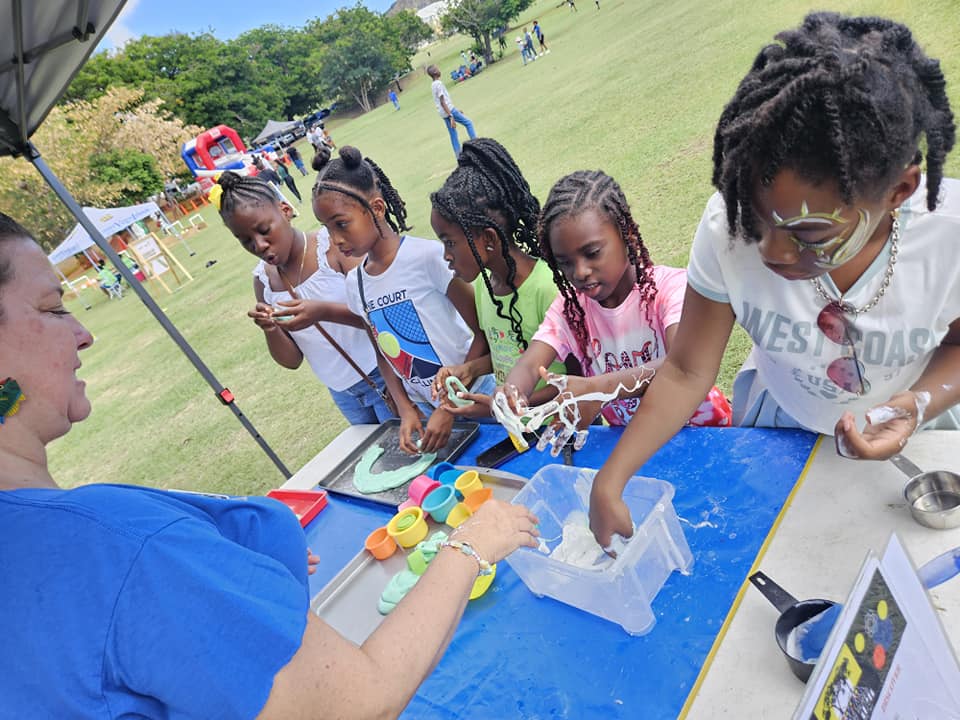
<point x="295" y="156"/>
<point x="541" y="38"/>
<point x="287" y="178"/>
<point x="486" y="216"/>
<point x="451" y="116"/>
<point x="828" y="245"/>
<point x="420" y="315"/>
<point x="316" y="269"/>
<point x="617" y="312"/>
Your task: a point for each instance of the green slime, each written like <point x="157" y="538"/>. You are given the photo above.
<point x="366" y="481"/>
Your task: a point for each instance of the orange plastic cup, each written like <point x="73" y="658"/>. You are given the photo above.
<point x="474" y="500"/>
<point x="380" y="544"/>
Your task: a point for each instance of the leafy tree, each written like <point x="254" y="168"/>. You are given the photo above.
<point x="96" y="149"/>
<point x="361" y="51"/>
<point x="135" y="172"/>
<point x="480" y="19"/>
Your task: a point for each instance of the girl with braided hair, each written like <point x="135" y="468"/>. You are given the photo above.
<point x="261" y="220"/>
<point x="420" y="316"/>
<point x="829" y="245"/>
<point x="616" y="313"/>
<point x="486" y="217"/>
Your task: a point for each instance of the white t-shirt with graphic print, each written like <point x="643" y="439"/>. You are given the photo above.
<point x="416" y="326"/>
<point x="791" y="354"/>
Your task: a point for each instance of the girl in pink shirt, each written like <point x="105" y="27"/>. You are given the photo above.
<point x="616" y="313"/>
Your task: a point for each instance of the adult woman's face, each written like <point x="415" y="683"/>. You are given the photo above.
<point x="40" y="343"/>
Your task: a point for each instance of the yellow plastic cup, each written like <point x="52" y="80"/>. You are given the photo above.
<point x="483" y="583"/>
<point x="408" y="527"/>
<point x="458" y="514"/>
<point x="468" y="483"/>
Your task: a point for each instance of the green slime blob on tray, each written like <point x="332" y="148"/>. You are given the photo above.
<point x="368" y="482"/>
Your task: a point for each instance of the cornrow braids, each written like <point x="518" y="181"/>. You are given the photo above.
<point x="839" y="98"/>
<point x="357" y="177"/>
<point x="487" y="190"/>
<point x="572" y="195"/>
<point x="240" y="191"/>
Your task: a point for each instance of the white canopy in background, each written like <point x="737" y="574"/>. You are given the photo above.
<point x="107" y="223"/>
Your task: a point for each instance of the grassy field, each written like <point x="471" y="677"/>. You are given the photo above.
<point x="634" y="89"/>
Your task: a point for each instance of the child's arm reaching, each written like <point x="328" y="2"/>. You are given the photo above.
<point x="409" y="413"/>
<point x="466" y="373"/>
<point x="679" y="387"/>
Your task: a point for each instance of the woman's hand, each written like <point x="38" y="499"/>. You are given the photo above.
<point x="497" y="529"/>
<point x="262" y="315"/>
<point x="438" y="431"/>
<point x="297" y="314"/>
<point x="410" y="425"/>
<point x="889" y="427"/>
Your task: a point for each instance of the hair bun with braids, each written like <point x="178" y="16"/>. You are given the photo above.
<point x="351" y="157"/>
<point x="229" y="180"/>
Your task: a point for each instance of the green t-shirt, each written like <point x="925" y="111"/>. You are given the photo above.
<point x="534" y="296"/>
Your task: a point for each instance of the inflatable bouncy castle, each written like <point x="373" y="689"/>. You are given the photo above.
<point x="215" y="150"/>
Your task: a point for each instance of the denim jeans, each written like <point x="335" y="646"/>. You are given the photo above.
<point x="359" y="403"/>
<point x="463" y="120"/>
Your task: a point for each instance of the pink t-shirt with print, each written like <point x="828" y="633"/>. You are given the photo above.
<point x="621" y="337"/>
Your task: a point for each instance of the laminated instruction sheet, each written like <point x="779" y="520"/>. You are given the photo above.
<point x="887" y="657"/>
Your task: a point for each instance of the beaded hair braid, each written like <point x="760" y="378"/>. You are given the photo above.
<point x="573" y="194"/>
<point x="487" y="190"/>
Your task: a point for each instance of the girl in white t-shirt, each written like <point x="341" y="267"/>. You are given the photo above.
<point x="419" y="314"/>
<point x="827" y="245"/>
<point x="616" y="313"/>
<point x="261" y="221"/>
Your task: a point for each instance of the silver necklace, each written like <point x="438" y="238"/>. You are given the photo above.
<point x="887" y="276"/>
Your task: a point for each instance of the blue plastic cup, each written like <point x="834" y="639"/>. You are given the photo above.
<point x="437" y="470"/>
<point x="449" y="477"/>
<point x="439" y="502"/>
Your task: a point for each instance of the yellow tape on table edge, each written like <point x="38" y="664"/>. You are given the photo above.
<point x="692" y="696"/>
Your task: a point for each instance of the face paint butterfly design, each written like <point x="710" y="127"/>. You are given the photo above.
<point x="832" y="252"/>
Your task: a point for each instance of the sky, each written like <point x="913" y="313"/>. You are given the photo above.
<point x="225" y="19"/>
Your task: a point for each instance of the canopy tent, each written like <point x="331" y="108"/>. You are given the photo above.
<point x="48" y="42"/>
<point x="274" y="128"/>
<point x="107" y="222"/>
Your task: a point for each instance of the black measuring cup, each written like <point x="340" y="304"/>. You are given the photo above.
<point x="793" y="613"/>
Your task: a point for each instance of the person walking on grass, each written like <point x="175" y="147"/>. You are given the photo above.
<point x="541" y="38"/>
<point x="392" y="97"/>
<point x="451" y="116"/>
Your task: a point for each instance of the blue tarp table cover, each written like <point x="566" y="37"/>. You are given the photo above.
<point x="518" y="656"/>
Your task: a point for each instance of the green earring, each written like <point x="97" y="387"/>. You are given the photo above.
<point x="10" y="398"/>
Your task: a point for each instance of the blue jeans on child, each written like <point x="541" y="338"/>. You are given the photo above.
<point x="463" y="120"/>
<point x="360" y="404"/>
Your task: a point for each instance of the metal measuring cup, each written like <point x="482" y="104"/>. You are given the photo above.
<point x="933" y="496"/>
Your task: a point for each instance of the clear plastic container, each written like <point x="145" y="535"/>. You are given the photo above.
<point x="623" y="591"/>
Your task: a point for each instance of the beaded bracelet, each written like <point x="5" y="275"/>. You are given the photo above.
<point x="466" y="549"/>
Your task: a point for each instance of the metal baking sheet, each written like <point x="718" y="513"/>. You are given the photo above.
<point x="349" y="601"/>
<point x="387" y="436"/>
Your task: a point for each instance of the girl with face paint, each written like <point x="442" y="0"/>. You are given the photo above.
<point x="829" y="245"/>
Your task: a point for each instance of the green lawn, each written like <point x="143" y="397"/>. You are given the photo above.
<point x="634" y="89"/>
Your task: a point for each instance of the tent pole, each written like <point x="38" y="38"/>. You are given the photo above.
<point x="223" y="394"/>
